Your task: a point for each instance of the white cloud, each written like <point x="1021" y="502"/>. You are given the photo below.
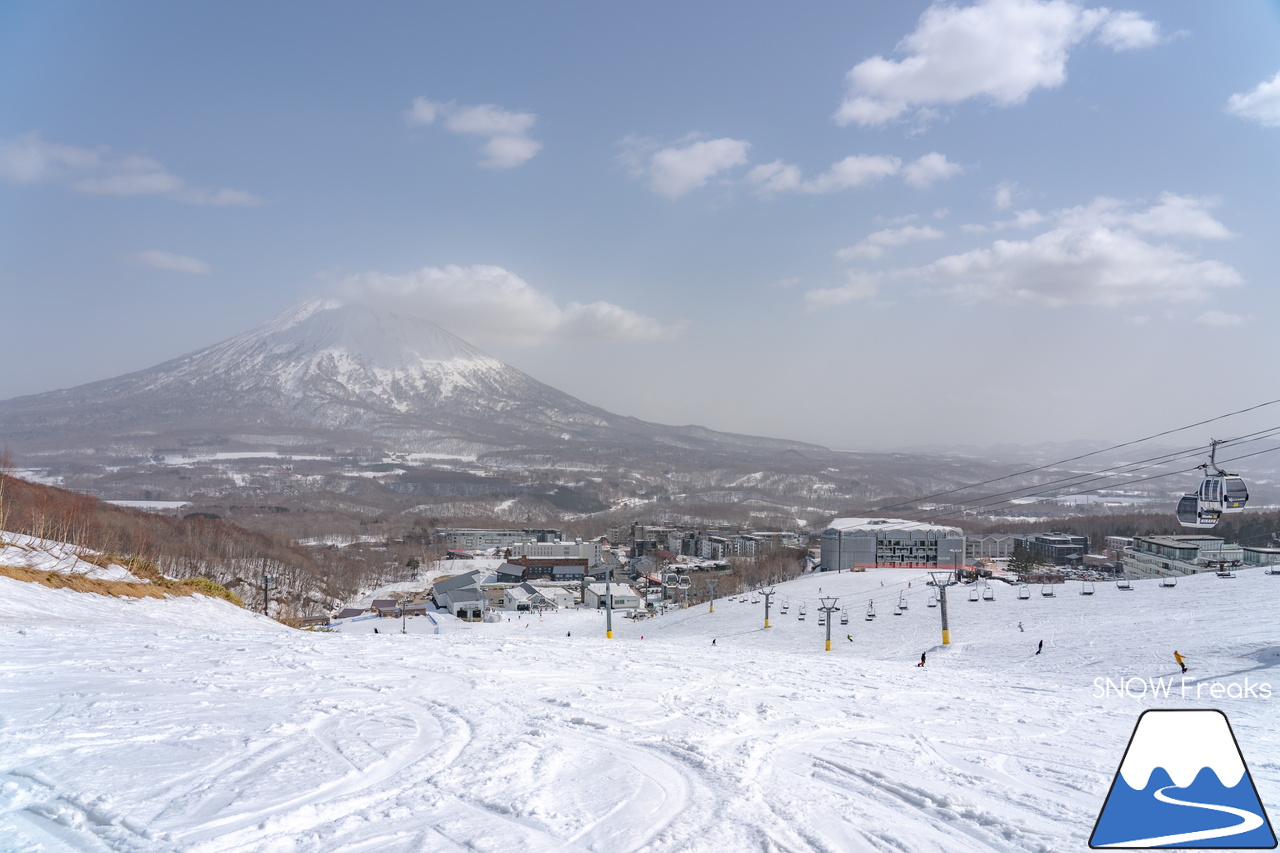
<point x="1181" y="216"/>
<point x="1262" y="104"/>
<point x="854" y="171"/>
<point x="1220" y="318"/>
<point x="775" y="177"/>
<point x="857" y="287"/>
<point x="929" y="168"/>
<point x="874" y="245"/>
<point x="1021" y="219"/>
<point x="157" y="259"/>
<point x="1004" y="195"/>
<point x="28" y="159"/>
<point x="999" y="49"/>
<point x="676" y="170"/>
<point x="1126" y="30"/>
<point x="1094" y="255"/>
<point x="489" y="303"/>
<point x="507" y="132"/>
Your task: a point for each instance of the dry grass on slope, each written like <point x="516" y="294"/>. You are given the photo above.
<point x="120" y="589"/>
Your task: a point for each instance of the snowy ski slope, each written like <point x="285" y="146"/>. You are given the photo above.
<point x="191" y="725"/>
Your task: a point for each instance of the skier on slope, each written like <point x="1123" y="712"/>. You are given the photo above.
<point x="1040" y="647"/>
<point x="1178" y="657"/>
<point x="922" y="654"/>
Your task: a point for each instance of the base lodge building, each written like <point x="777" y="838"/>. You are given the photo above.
<point x="857" y="544"/>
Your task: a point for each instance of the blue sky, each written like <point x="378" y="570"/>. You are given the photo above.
<point x="865" y="225"/>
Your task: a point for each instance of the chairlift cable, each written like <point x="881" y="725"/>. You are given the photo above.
<point x="1107" y="474"/>
<point x="1077" y="458"/>
<point x="1085" y="477"/>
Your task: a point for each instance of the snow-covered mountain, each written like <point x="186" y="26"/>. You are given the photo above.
<point x="331" y="367"/>
<point x="390" y="412"/>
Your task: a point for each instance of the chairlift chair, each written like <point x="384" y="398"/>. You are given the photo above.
<point x="1124" y="583"/>
<point x="902" y="600"/>
<point x="973" y="594"/>
<point x="844" y="616"/>
<point x="1226" y="573"/>
<point x="1086" y="588"/>
<point x="988" y="594"/>
<point x="897" y="611"/>
<point x="871" y="610"/>
<point x="1168" y="582"/>
<point x="1048" y="591"/>
<point x="1024" y="592"/>
<point x="933" y="601"/>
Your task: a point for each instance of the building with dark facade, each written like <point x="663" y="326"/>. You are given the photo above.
<point x="1060" y="549"/>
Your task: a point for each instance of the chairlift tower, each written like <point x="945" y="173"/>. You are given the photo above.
<point x="942" y="580"/>
<point x="711" y="590"/>
<point x="829" y="606"/>
<point x="268" y="581"/>
<point x="608" y="601"/>
<point x="768" y="594"/>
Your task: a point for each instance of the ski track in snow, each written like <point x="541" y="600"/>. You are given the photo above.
<point x="188" y="725"/>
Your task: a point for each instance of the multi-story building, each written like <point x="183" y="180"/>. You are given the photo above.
<point x="590" y="551"/>
<point x="989" y="546"/>
<point x="1259" y="556"/>
<point x="480" y="539"/>
<point x="1162" y="556"/>
<point x="1060" y="549"/>
<point x="863" y="543"/>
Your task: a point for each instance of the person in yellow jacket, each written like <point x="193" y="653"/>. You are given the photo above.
<point x="1178" y="657"/>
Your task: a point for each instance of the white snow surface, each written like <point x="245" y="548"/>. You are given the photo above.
<point x="191" y="725"/>
<point x="46" y="555"/>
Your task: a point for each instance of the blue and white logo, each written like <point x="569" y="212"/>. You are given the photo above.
<point x="1183" y="784"/>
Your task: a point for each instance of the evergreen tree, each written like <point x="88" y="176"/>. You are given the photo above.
<point x="1024" y="561"/>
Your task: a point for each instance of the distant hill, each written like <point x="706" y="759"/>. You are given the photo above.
<point x="344" y="405"/>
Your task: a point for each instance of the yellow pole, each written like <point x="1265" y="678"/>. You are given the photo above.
<point x="713" y="607"/>
<point x="828" y="645"/>
<point x="608" y="635"/>
<point x="946" y="638"/>
<point x="766" y="623"/>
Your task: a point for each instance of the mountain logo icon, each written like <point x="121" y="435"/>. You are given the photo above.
<point x="1183" y="784"/>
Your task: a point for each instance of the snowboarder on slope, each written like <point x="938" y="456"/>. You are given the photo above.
<point x="1040" y="647"/>
<point x="849" y="637"/>
<point x="1178" y="657"/>
<point x="713" y="642"/>
<point x="1020" y="628"/>
<point x="922" y="654"/>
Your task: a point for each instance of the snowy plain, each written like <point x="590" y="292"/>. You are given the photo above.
<point x="191" y="725"/>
